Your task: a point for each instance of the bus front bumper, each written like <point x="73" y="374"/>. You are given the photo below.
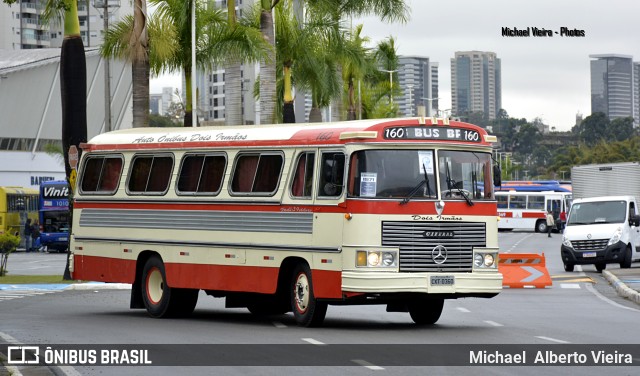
<point x="463" y="284"/>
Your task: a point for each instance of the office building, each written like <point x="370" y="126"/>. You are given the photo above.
<point x="476" y="83"/>
<point x="418" y="79"/>
<point x="30" y="103"/>
<point x="21" y="29"/>
<point x="614" y="86"/>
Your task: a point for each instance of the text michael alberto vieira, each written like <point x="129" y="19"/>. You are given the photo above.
<point x="544" y="357"/>
<point x="541" y="32"/>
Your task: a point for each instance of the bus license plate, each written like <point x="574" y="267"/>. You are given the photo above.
<point x="437" y="280"/>
<point x="63" y="239"/>
<point x="589" y="254"/>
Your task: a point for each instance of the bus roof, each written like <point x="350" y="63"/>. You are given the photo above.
<point x="417" y="130"/>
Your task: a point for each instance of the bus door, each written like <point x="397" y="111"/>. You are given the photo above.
<point x="554" y="205"/>
<point x="329" y="195"/>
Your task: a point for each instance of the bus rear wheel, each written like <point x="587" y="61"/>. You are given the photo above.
<point x="426" y="312"/>
<point x="160" y="300"/>
<point x="307" y="310"/>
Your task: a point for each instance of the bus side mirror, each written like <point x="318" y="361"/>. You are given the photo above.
<point x="634" y="220"/>
<point x="497" y="176"/>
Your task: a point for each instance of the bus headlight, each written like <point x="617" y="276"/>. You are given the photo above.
<point x="377" y="259"/>
<point x="485" y="260"/>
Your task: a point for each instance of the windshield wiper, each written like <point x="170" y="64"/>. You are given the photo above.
<point x="417" y="188"/>
<point x="451" y="184"/>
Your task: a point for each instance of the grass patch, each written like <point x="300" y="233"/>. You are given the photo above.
<point x="24" y="279"/>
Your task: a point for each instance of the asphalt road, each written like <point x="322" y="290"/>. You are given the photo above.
<point x="580" y="308"/>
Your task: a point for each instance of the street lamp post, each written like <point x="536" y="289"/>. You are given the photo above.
<point x="391" y="72"/>
<point x="430" y="100"/>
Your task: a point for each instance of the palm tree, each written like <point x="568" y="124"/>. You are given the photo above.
<point x="354" y="65"/>
<point x="387" y="10"/>
<point x="386" y="55"/>
<point x="139" y="44"/>
<point x="170" y="41"/>
<point x="268" y="63"/>
<point x="233" y="79"/>
<point x="125" y="40"/>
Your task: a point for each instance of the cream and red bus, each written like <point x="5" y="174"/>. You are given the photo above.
<point x="281" y="218"/>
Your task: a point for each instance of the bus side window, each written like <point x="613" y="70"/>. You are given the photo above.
<point x="303" y="179"/>
<point x="257" y="174"/>
<point x="110" y="175"/>
<point x="331" y="175"/>
<point x="150" y="174"/>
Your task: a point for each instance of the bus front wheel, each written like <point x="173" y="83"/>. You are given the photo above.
<point x="426" y="312"/>
<point x="307" y="310"/>
<point x="160" y="300"/>
<point x="541" y="226"/>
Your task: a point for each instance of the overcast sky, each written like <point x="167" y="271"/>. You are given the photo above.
<point x="546" y="77"/>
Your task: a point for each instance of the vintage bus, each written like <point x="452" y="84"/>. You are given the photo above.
<point x="280" y="218"/>
<point x="54" y="215"/>
<point x="528" y="210"/>
<point x="16" y="205"/>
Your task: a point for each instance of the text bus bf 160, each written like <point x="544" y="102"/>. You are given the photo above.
<point x="292" y="217"/>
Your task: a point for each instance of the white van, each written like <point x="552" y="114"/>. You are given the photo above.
<point x="601" y="231"/>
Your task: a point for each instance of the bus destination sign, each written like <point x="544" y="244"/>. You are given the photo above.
<point x="432" y="133"/>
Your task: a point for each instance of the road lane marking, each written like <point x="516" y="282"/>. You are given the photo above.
<point x="607" y="300"/>
<point x="368" y="365"/>
<point x="493" y="323"/>
<point x="313" y="341"/>
<point x="66" y="370"/>
<point x="461" y="309"/>
<point x="570" y="286"/>
<point x="552" y="339"/>
<point x="278" y="324"/>
<point x="518" y="243"/>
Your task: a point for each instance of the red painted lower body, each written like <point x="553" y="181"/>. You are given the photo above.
<point x="237" y="278"/>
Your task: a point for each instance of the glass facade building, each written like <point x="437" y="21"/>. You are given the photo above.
<point x="476" y="83"/>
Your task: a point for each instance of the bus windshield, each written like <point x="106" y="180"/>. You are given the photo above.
<point x="412" y="173"/>
<point x="587" y="213"/>
<point x="465" y="175"/>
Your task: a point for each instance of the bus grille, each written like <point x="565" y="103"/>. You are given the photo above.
<point x="417" y="241"/>
<point x="590" y="245"/>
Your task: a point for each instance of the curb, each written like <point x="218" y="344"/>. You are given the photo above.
<point x="621" y="288"/>
<point x="99" y="286"/>
<point x="59" y="287"/>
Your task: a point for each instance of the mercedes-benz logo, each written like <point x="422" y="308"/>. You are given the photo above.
<point x="439" y="254"/>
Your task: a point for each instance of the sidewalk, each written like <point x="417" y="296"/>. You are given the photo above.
<point x="625" y="281"/>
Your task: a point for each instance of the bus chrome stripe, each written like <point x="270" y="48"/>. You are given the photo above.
<point x="298" y="223"/>
<point x="274" y="247"/>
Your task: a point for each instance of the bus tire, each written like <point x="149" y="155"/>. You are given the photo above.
<point x="568" y="267"/>
<point x="626" y="261"/>
<point x="541" y="226"/>
<point x="600" y="266"/>
<point x="159" y="299"/>
<point x="307" y="311"/>
<point x="426" y="312"/>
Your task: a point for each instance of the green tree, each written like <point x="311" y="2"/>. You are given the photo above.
<point x="593" y="128"/>
<point x="337" y="10"/>
<point x="268" y="64"/>
<point x="620" y="129"/>
<point x="145" y="58"/>
<point x="216" y="42"/>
